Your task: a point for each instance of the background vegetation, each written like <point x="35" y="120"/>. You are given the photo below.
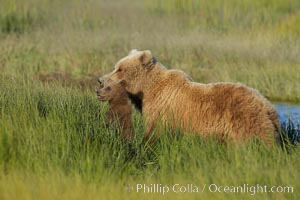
<point x="53" y="144"/>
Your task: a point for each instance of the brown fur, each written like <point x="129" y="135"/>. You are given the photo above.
<point x="119" y="112"/>
<point x="229" y="110"/>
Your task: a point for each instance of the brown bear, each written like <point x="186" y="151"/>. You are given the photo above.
<point x="119" y="113"/>
<point x="227" y="110"/>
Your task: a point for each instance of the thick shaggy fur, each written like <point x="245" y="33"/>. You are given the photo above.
<point x="228" y="110"/>
<point x="119" y="113"/>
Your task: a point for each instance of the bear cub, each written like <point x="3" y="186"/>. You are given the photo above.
<point x="120" y="109"/>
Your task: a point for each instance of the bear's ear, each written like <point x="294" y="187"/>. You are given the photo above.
<point x="147" y="59"/>
<point x="133" y="51"/>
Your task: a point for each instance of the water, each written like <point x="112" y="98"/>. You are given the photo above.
<point x="288" y="111"/>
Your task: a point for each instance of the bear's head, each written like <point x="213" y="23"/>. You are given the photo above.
<point x="111" y="90"/>
<point x="134" y="70"/>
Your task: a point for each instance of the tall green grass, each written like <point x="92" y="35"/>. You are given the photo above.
<point x="54" y="144"/>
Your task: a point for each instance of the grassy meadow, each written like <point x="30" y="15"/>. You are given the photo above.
<point x="53" y="140"/>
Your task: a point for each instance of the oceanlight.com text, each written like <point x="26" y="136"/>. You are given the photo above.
<point x="163" y="189"/>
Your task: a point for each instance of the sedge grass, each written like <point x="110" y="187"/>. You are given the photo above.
<point x="54" y="144"/>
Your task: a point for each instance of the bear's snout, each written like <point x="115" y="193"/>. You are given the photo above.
<point x="100" y="95"/>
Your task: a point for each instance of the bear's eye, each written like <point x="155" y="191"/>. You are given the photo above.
<point x="119" y="70"/>
<point x="108" y="88"/>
